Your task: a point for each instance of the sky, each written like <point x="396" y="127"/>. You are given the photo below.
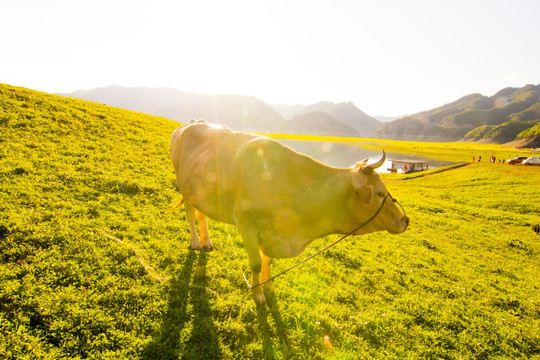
<point x="388" y="57"/>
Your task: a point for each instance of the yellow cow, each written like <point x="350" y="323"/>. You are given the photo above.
<point x="279" y="199"/>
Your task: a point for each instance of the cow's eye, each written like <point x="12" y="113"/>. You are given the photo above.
<point x="381" y="194"/>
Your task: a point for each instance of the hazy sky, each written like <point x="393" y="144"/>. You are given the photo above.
<point x="388" y="57"/>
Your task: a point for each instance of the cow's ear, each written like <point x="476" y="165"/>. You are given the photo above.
<point x="363" y="187"/>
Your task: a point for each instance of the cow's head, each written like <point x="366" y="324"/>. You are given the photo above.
<point x="372" y="197"/>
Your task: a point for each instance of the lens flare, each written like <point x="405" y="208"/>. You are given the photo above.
<point x="326" y="147"/>
<point x="501" y="102"/>
<point x="211" y="177"/>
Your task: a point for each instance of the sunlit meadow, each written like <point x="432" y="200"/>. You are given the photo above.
<point x="92" y="266"/>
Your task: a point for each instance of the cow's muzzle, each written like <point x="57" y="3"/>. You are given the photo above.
<point x="405" y="217"/>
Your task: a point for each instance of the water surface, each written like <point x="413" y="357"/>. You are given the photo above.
<point x="339" y="154"/>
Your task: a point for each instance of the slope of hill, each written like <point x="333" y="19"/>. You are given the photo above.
<point x="82" y="189"/>
<point x="345" y="112"/>
<point x="320" y="123"/>
<point x="500" y="118"/>
<point x="239" y="112"/>
<point x="289" y="111"/>
<point x="383" y="118"/>
<point x="92" y="266"/>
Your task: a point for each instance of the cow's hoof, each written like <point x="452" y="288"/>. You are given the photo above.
<point x="259" y="299"/>
<point x="197" y="247"/>
<point x="208" y="247"/>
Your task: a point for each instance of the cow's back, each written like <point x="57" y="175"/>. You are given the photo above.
<point x="204" y="159"/>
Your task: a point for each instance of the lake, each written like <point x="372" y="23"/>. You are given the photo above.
<point x="339" y="154"/>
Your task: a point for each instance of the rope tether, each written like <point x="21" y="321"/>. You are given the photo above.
<point x="328" y="246"/>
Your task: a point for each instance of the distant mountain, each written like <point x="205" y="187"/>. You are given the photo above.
<point x="509" y="114"/>
<point x="244" y="113"/>
<point x="239" y="112"/>
<point x="345" y="112"/>
<point x="512" y="114"/>
<point x="289" y="111"/>
<point x="320" y="123"/>
<point x="384" y="119"/>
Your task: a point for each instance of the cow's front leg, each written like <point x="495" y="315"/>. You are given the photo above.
<point x="205" y="236"/>
<point x="251" y="243"/>
<point x="265" y="273"/>
<point x="190" y="212"/>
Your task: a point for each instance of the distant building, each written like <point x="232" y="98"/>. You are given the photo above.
<point x="407" y="166"/>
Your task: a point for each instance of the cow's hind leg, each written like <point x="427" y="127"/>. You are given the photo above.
<point x="190" y="212"/>
<point x="265" y="273"/>
<point x="205" y="236"/>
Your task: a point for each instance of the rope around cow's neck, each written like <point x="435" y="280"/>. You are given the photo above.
<point x="326" y="247"/>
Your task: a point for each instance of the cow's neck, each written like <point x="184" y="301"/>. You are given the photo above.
<point x="336" y="197"/>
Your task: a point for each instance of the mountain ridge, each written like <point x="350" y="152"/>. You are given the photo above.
<point x="323" y="122"/>
<point x="239" y="112"/>
<point x="236" y="111"/>
<point x="506" y="116"/>
<point x="345" y="112"/>
<point x="510" y="115"/>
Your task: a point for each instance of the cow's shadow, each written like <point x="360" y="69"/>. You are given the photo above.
<point x="268" y="334"/>
<point x="188" y="305"/>
<point x="189" y="286"/>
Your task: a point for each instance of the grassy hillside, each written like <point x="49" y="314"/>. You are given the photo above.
<point x="91" y="266"/>
<point x="500" y="118"/>
<point x="532" y="131"/>
<point x="503" y="133"/>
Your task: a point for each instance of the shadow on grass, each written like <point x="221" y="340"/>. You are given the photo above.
<point x="174" y="341"/>
<point x="277" y="331"/>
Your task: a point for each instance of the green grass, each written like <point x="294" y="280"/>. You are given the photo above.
<point x="532" y="131"/>
<point x="91" y="266"/>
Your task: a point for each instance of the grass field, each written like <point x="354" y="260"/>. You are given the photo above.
<point x="92" y="267"/>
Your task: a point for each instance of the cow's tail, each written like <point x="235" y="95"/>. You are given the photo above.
<point x="176" y="206"/>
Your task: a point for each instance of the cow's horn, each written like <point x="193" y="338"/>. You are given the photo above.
<point x="376" y="164"/>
